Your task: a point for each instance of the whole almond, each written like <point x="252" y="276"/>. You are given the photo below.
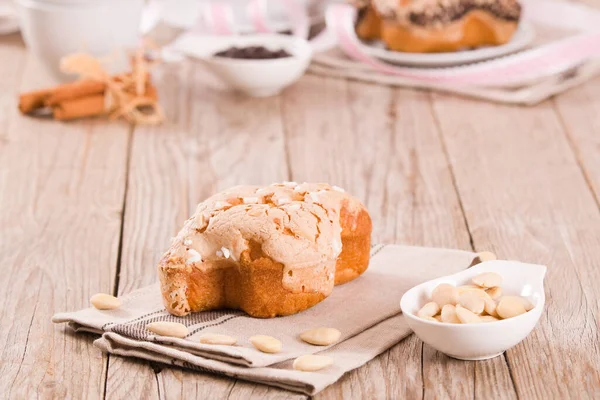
<point x="215" y="338"/>
<point x="429" y="310"/>
<point x="445" y="294"/>
<point x="494" y="292"/>
<point x="103" y="301"/>
<point x="466" y="288"/>
<point x="466" y="316"/>
<point x="321" y="336"/>
<point x="488" y="280"/>
<point x="266" y="344"/>
<point x="490" y="307"/>
<point x="449" y="314"/>
<point x="312" y="362"/>
<point x="472" y="302"/>
<point x="510" y="306"/>
<point x="165" y="328"/>
<point x="478" y="291"/>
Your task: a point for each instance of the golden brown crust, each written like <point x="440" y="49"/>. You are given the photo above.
<point x="356" y="244"/>
<point x="254" y="281"/>
<point x="254" y="287"/>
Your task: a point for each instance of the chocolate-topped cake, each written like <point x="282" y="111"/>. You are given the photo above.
<point x="422" y="26"/>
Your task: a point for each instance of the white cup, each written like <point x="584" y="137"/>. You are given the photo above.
<point x="53" y="29"/>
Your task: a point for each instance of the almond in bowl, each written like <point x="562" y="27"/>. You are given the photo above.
<point x="471" y="303"/>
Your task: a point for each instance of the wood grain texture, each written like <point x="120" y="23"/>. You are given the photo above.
<point x="444" y="377"/>
<point x="130" y="378"/>
<point x="579" y="111"/>
<point x="176" y="383"/>
<point x="525" y="197"/>
<point x="156" y="203"/>
<point x="211" y="140"/>
<point x="383" y="146"/>
<point x="433" y="170"/>
<point x="61" y="192"/>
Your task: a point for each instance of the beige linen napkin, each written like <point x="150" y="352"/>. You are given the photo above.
<point x="366" y="311"/>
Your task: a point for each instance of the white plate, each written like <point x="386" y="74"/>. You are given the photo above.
<point x="522" y="38"/>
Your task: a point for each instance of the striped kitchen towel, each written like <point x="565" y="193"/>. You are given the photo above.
<point x="366" y="311"/>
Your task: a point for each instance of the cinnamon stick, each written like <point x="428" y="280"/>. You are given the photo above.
<point x="75" y="90"/>
<point x="89" y="106"/>
<point x="29" y="102"/>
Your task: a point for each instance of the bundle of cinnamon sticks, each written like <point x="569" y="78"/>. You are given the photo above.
<point x="80" y="99"/>
<point x="130" y="96"/>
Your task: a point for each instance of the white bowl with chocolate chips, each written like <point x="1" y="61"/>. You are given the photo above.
<point x="258" y="65"/>
<point x="478" y="313"/>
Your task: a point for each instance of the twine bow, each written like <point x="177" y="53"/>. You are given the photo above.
<point x="130" y="96"/>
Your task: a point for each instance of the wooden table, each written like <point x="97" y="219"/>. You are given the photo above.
<point x="89" y="206"/>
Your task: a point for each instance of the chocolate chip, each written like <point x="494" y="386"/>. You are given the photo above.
<point x="253" y="53"/>
<point x="449" y="13"/>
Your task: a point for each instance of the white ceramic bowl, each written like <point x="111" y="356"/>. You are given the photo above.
<point x="484" y="340"/>
<point x="53" y="29"/>
<point x="257" y="78"/>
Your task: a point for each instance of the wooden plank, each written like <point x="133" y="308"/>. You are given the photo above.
<point x="212" y="140"/>
<point x="156" y="203"/>
<point x="61" y="191"/>
<point x="126" y="377"/>
<point x="181" y="384"/>
<point x="579" y="110"/>
<point x="175" y="383"/>
<point x="445" y="377"/>
<point x="395" y="374"/>
<point x="239" y="140"/>
<point x="524" y="196"/>
<point x="383" y="146"/>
